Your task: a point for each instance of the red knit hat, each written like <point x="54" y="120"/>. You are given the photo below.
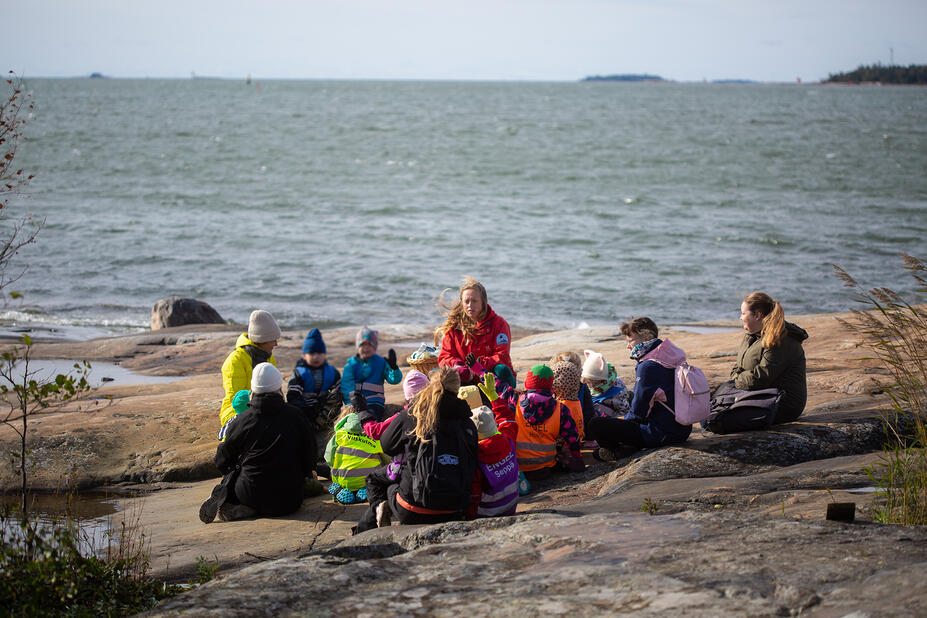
<point x="540" y="377"/>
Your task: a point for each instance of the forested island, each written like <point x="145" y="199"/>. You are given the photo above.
<point x="893" y="74"/>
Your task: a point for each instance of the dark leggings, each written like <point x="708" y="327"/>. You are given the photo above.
<point x="613" y="433"/>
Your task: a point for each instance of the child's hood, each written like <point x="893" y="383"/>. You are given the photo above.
<point x="350" y="423"/>
<point x="537" y="406"/>
<point x="667" y="354"/>
<point x="494" y="448"/>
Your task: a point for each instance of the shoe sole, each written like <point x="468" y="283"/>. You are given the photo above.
<point x="208" y="510"/>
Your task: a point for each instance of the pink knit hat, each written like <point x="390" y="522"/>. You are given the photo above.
<point x="413" y="382"/>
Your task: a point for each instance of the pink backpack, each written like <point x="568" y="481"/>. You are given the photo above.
<point x="693" y="396"/>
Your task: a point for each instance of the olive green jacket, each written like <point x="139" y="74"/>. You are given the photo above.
<point x="781" y="367"/>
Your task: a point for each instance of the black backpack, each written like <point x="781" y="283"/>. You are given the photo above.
<point x="444" y="467"/>
<point x="734" y="410"/>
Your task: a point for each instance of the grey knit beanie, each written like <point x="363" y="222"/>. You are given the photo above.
<point x="262" y="327"/>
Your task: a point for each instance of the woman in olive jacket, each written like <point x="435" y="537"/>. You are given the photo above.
<point x="771" y="355"/>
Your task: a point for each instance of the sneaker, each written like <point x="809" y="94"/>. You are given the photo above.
<point x="209" y="508"/>
<point x="361" y="494"/>
<point x="334" y="488"/>
<point x="345" y="496"/>
<point x="523" y="485"/>
<point x="604" y="454"/>
<point x="383" y="515"/>
<point x="231" y="512"/>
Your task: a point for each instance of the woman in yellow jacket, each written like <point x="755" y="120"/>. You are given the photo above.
<point x="251" y="349"/>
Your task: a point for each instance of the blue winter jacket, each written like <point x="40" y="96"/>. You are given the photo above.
<point x="655" y="381"/>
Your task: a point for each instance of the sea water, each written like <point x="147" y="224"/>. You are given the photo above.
<point x="338" y="202"/>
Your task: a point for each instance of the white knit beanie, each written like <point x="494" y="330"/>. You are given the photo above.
<point x="266" y="379"/>
<point x="485" y="422"/>
<point x="595" y="367"/>
<point x="262" y="327"/>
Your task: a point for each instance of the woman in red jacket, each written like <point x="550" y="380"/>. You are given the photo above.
<point x="475" y="338"/>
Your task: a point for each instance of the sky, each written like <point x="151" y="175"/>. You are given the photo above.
<point x="685" y="40"/>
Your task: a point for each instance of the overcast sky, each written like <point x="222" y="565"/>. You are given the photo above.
<point x="768" y="40"/>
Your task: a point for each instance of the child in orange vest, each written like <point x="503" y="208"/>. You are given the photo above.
<point x="566" y="390"/>
<point x="541" y="421"/>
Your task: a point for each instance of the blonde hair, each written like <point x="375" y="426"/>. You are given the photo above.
<point x="570" y="357"/>
<point x="773" y="317"/>
<point x="454" y="314"/>
<point x="426" y="407"/>
<point x="345" y="410"/>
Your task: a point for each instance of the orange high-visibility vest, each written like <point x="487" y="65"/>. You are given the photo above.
<point x="576" y="411"/>
<point x="536" y="447"/>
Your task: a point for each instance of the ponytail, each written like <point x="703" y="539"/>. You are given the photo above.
<point x="425" y="408"/>
<point x="773" y="317"/>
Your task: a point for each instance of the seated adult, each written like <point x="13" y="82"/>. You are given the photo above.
<point x="436" y="426"/>
<point x="771" y="355"/>
<point x="267" y="454"/>
<point x="251" y="349"/>
<point x="650" y="422"/>
<point x="475" y="338"/>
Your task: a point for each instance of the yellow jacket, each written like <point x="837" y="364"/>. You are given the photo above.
<point x="236" y="375"/>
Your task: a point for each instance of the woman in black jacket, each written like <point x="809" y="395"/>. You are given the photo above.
<point x="437" y="442"/>
<point x="268" y="452"/>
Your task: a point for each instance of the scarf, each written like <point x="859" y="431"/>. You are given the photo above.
<point x="644" y="348"/>
<point x="609" y="381"/>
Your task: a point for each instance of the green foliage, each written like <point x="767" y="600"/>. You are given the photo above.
<point x="205" y="569"/>
<point x="911" y="74"/>
<point x="43" y="573"/>
<point x="896" y="331"/>
<point x="650" y="507"/>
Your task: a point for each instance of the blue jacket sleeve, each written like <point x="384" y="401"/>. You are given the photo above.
<point x="393" y="376"/>
<point x="347" y="380"/>
<point x="648" y="374"/>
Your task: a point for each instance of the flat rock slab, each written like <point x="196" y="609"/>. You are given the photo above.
<point x="701" y="564"/>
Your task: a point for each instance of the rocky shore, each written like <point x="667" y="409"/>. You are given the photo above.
<point x="734" y="524"/>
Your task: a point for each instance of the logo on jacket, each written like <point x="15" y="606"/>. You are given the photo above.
<point x="501" y="338"/>
<point x="448" y="460"/>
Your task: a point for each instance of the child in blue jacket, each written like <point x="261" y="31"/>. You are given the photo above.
<point x="366" y="371"/>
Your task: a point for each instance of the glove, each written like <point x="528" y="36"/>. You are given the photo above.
<point x="358" y="401"/>
<point x="488" y="386"/>
<point x="391" y="359"/>
<point x="470" y="360"/>
<point x="576" y="464"/>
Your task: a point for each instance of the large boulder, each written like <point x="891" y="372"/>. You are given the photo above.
<point x="177" y="311"/>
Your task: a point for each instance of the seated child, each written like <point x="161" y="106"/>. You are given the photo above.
<point x="366" y="372"/>
<point x="541" y="421"/>
<point x="495" y="483"/>
<point x="566" y="390"/>
<point x="609" y="394"/>
<point x="584" y="396"/>
<point x="315" y="387"/>
<point x="352" y="456"/>
<point x="240" y="402"/>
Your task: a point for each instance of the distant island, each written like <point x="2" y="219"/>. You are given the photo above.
<point x="878" y="74"/>
<point x="627" y="77"/>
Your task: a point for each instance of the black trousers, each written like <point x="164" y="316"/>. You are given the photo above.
<point x="613" y="433"/>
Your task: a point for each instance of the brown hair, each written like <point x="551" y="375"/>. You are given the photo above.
<point x="454" y="314"/>
<point x="645" y="327"/>
<point x="570" y="357"/>
<point x="426" y="406"/>
<point x="773" y="317"/>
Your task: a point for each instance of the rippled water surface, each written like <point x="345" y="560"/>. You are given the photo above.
<point x="349" y="202"/>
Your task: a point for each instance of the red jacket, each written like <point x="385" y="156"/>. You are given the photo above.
<point x="490" y="345"/>
<point x="493" y="449"/>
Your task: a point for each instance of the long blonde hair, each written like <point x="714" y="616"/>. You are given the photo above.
<point x="427" y="402"/>
<point x="454" y="314"/>
<point x="773" y="317"/>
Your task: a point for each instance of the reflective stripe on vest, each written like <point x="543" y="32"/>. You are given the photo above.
<point x="537" y="444"/>
<point x="354" y="458"/>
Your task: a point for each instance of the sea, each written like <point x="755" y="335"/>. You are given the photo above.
<point x="332" y="203"/>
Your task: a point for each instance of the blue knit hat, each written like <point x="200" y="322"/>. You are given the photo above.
<point x="313" y="342"/>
